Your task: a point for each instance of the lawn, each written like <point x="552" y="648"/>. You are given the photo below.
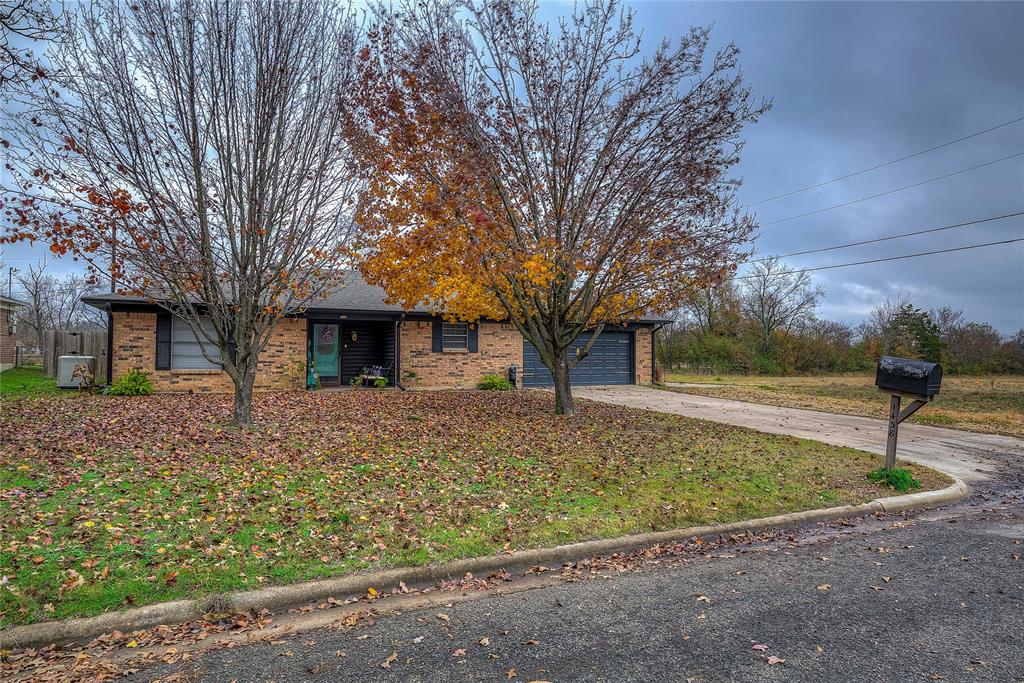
<point x="26" y="380"/>
<point x="109" y="502"/>
<point x="981" y="404"/>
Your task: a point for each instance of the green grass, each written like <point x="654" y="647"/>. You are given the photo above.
<point x="898" y="478"/>
<point x="983" y="404"/>
<point x="27" y="380"/>
<point x="100" y="514"/>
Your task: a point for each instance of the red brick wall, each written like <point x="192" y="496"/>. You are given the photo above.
<point x="644" y="369"/>
<point x="281" y="366"/>
<point x="499" y="344"/>
<point x="6" y="338"/>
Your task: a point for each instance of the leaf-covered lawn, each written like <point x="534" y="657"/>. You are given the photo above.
<point x="109" y="502"/>
<point x="981" y="404"/>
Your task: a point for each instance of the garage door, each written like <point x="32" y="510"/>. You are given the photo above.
<point x="609" y="362"/>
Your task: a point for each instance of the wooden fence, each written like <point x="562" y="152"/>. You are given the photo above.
<point x="57" y="343"/>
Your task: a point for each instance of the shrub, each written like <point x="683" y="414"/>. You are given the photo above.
<point x="132" y="383"/>
<point x="897" y="478"/>
<point x="494" y="383"/>
<point x="380" y="382"/>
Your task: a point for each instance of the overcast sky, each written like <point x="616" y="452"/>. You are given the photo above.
<point x="854" y="85"/>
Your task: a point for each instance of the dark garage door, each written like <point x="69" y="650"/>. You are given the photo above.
<point x="608" y="362"/>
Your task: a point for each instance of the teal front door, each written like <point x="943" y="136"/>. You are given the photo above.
<point x="325" y="353"/>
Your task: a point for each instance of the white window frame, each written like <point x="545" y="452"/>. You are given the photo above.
<point x="184" y="346"/>
<point x="454" y="336"/>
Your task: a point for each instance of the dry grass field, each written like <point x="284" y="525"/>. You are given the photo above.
<point x="980" y="404"/>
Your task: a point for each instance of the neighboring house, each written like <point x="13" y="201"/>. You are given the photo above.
<point x="355" y="328"/>
<point x="8" y="329"/>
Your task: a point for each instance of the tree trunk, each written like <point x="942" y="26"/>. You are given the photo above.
<point x="243" y="397"/>
<point x="563" y="389"/>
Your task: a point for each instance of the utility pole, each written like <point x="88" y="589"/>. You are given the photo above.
<point x="10" y="281"/>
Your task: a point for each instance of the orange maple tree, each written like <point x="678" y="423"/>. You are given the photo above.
<point x="551" y="176"/>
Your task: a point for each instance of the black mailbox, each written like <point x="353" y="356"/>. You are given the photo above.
<point x="905" y="376"/>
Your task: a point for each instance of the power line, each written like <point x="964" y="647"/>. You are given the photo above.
<point x="883" y="165"/>
<point x="890" y="237"/>
<point x="898" y="189"/>
<point x="895" y="258"/>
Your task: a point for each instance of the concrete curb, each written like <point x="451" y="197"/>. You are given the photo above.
<point x="281" y="597"/>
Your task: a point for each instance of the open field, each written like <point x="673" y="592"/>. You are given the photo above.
<point x="981" y="404"/>
<point x="109" y="502"/>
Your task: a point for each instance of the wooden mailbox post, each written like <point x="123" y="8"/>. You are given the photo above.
<point x="904" y="378"/>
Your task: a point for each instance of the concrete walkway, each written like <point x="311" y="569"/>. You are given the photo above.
<point x="971" y="456"/>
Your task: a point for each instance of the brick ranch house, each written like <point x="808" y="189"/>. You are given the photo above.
<point x="355" y="328"/>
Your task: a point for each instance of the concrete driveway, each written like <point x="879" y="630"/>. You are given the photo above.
<point x="971" y="456"/>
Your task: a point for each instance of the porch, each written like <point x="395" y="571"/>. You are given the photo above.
<point x="339" y="350"/>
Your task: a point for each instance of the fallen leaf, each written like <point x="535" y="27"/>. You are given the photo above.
<point x="824" y="586"/>
<point x="775" y="660"/>
<point x="386" y="664"/>
<point x="760" y="647"/>
<point x="461" y="652"/>
<point x="418" y="639"/>
<point x="511" y="673"/>
<point x="484" y="642"/>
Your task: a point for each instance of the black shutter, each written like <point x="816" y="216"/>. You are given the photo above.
<point x="163" y="340"/>
<point x="436" y="337"/>
<point x="472" y="339"/>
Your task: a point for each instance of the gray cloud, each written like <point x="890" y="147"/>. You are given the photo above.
<point x="855" y="84"/>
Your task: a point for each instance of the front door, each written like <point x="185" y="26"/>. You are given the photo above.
<point x="325" y="352"/>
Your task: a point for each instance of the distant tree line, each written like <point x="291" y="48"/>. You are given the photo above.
<point x="766" y="322"/>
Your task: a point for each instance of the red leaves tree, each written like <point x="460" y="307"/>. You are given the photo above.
<point x="548" y="175"/>
<point x="194" y="153"/>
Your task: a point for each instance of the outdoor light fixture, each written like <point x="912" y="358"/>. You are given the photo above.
<point x="355" y="335"/>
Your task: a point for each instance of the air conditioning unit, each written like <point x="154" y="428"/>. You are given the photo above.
<point x="66" y="377"/>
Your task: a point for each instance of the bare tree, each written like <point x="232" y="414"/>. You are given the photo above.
<point x="195" y="154"/>
<point x="881" y="323"/>
<point x="54" y="303"/>
<point x="948" y="320"/>
<point x="715" y="309"/>
<point x="776" y="297"/>
<point x="27" y="25"/>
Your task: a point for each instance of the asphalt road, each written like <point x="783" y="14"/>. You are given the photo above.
<point x="933" y="595"/>
<point x="936" y="596"/>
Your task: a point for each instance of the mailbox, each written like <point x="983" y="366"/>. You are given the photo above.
<point x="917" y="378"/>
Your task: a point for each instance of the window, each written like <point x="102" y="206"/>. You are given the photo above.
<point x="455" y="336"/>
<point x="186" y="353"/>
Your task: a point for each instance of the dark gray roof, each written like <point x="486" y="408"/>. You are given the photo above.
<point x="354" y="295"/>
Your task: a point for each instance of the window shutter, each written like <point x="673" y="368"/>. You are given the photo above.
<point x="436" y="337"/>
<point x="472" y="340"/>
<point x="163" y="340"/>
